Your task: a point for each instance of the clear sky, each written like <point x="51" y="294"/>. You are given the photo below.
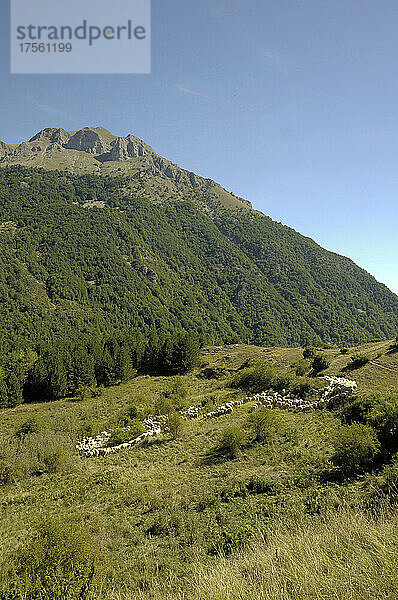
<point x="292" y="104"/>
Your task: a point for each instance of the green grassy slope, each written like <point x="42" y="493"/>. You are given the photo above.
<point x="174" y="521"/>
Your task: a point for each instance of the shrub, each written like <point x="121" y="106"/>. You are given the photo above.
<point x="320" y="363"/>
<point x="306" y="386"/>
<point x="383" y="417"/>
<point x="175" y="424"/>
<point x="122" y="435"/>
<point x="358" y="360"/>
<point x="163" y="405"/>
<point x="302" y="367"/>
<point x="6" y="472"/>
<point x="32" y="425"/>
<point x="59" y="563"/>
<point x="262" y="424"/>
<point x="262" y="376"/>
<point x="394" y="345"/>
<point x="357" y="410"/>
<point x="309" y="352"/>
<point x="355" y="449"/>
<point x="90" y="427"/>
<point x="231" y="441"/>
<point x="83" y="393"/>
<point x="45" y="453"/>
<point x="344" y="350"/>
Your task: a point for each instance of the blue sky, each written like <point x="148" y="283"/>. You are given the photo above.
<point x="292" y="104"/>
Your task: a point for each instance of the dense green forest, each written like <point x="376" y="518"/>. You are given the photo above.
<point x="86" y="254"/>
<point x="74" y="368"/>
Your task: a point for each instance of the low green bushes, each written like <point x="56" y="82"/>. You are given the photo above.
<point x="175" y="424"/>
<point x="58" y="563"/>
<point x="320" y="362"/>
<point x="380" y="411"/>
<point x="358" y="360"/>
<point x="262" y="376"/>
<point x="355" y="448"/>
<point x="34" y="453"/>
<point x="122" y="435"/>
<point x="262" y="424"/>
<point x="230" y="442"/>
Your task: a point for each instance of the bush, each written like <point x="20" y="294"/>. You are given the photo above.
<point x="123" y="435"/>
<point x="262" y="376"/>
<point x="302" y="367"/>
<point x="6" y="472"/>
<point x="394" y="345"/>
<point x="357" y="410"/>
<point x="344" y="350"/>
<point x="59" y="563"/>
<point x="355" y="449"/>
<point x="262" y="424"/>
<point x="309" y="352"/>
<point x="383" y="417"/>
<point x="45" y="453"/>
<point x="358" y="360"/>
<point x="320" y="363"/>
<point x="128" y="415"/>
<point x="231" y="441"/>
<point x="163" y="406"/>
<point x="33" y="424"/>
<point x="90" y="427"/>
<point x="175" y="424"/>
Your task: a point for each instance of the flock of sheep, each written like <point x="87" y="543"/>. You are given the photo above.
<point x="98" y="446"/>
<point x="226" y="409"/>
<point x="338" y="390"/>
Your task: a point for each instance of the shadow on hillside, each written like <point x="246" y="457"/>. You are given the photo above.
<point x="392" y="350"/>
<point x="352" y="367"/>
<point x="217" y="457"/>
<point x="155" y="442"/>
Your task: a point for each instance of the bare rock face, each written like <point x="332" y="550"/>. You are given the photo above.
<point x="3" y="149"/>
<point x="54" y="134"/>
<point x="124" y="148"/>
<point x="88" y="140"/>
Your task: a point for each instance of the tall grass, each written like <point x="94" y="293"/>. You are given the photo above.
<point x="348" y="556"/>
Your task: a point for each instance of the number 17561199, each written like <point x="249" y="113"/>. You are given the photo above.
<point x="54" y="47"/>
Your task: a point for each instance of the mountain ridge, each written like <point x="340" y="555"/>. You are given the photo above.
<point x="156" y="247"/>
<point x="96" y="150"/>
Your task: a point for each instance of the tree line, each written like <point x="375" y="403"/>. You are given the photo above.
<point x="66" y="368"/>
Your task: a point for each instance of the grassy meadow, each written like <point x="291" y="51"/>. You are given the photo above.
<point x="177" y="518"/>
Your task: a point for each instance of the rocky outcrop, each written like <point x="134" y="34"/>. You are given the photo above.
<point x="124" y="148"/>
<point x="3" y="149"/>
<point x="54" y="134"/>
<point x="88" y="140"/>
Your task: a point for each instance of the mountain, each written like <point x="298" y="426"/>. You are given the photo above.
<point x="96" y="150"/>
<point x="107" y="236"/>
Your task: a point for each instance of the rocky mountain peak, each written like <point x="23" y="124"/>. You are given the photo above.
<point x="54" y="134"/>
<point x="89" y="140"/>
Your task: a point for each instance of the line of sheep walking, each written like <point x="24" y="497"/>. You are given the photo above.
<point x="97" y="446"/>
<point x="190" y="413"/>
<point x="336" y="392"/>
<point x="226" y="409"/>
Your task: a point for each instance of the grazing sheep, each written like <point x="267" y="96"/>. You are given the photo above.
<point x="92" y="447"/>
<point x="338" y="390"/>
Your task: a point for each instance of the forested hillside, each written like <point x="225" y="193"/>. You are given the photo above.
<point x="90" y="254"/>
